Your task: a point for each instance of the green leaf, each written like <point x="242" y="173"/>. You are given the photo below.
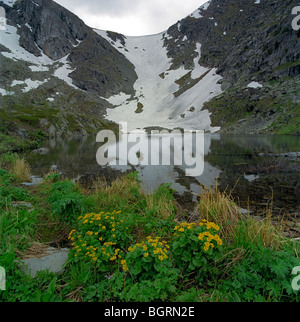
<point x="136" y="268"/>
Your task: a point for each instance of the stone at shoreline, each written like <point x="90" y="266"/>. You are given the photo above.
<point x="53" y="261"/>
<point x="35" y="180"/>
<point x="41" y="151"/>
<point x="22" y="204"/>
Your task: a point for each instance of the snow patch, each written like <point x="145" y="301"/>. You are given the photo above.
<point x="197" y="13"/>
<point x="9" y="3"/>
<point x="28" y="26"/>
<point x="10" y="39"/>
<point x="5" y="92"/>
<point x="254" y="85"/>
<point x="64" y="71"/>
<point x="39" y="68"/>
<point x="30" y="84"/>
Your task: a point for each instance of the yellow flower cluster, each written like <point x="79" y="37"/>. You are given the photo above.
<point x="124" y="265"/>
<point x="209" y="238"/>
<point x="102" y="227"/>
<point x="90" y="251"/>
<point x="154" y="245"/>
<point x="71" y="234"/>
<point x="206" y="237"/>
<point x="184" y="226"/>
<point x="209" y="225"/>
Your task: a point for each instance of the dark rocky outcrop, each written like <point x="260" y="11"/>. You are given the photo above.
<point x="45" y="26"/>
<point x="246" y="42"/>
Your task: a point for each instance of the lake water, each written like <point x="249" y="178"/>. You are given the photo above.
<point x="254" y="168"/>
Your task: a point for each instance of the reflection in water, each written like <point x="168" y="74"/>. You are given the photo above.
<point x="232" y="160"/>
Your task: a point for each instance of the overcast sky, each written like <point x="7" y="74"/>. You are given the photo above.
<point x="131" y="17"/>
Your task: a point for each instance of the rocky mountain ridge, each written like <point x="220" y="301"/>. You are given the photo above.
<point x="232" y="65"/>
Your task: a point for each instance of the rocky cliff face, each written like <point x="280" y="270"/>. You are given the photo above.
<point x="56" y="71"/>
<point x="248" y="42"/>
<point x="232" y="64"/>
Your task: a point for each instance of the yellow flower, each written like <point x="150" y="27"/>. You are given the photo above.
<point x="146" y="255"/>
<point x="201" y="237"/>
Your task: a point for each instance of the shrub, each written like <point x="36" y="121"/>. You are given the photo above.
<point x="147" y="259"/>
<point x="196" y="247"/>
<point x="264" y="275"/>
<point x="66" y="200"/>
<point x="100" y="239"/>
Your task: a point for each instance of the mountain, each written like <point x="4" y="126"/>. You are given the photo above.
<point x="231" y="66"/>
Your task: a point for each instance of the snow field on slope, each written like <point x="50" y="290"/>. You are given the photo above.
<point x="10" y="39"/>
<point x="155" y="88"/>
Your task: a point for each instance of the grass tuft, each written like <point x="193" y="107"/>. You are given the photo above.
<point x="21" y="170"/>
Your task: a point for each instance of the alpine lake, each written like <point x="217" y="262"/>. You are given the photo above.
<point x="258" y="171"/>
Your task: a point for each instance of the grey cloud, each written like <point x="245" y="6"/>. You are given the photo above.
<point x="103" y="7"/>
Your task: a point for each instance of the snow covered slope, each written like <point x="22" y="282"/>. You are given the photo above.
<point x="158" y="100"/>
<point x="9" y="3"/>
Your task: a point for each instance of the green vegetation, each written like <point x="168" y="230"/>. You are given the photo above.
<point x="130" y="246"/>
<point x="275" y="109"/>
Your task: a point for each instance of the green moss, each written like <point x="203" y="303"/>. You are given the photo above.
<point x="287" y="65"/>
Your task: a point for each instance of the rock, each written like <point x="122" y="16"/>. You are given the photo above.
<point x="22" y="204"/>
<point x="245" y="211"/>
<point x="52" y="131"/>
<point x="53" y="261"/>
<point x="41" y="151"/>
<point x="34" y="181"/>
